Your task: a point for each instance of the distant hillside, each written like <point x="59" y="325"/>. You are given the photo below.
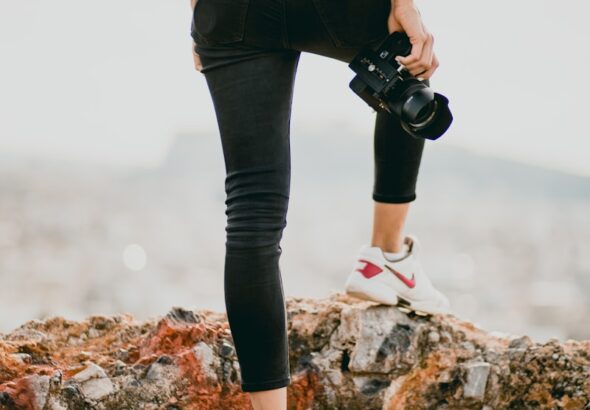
<point x="343" y="159"/>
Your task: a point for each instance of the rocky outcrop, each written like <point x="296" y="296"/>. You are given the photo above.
<point x="345" y="354"/>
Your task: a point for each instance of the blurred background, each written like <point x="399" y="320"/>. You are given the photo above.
<point x="112" y="176"/>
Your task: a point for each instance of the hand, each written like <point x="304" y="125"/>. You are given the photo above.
<point x="196" y="59"/>
<point x="422" y="61"/>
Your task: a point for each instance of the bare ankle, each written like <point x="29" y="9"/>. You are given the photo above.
<point x="389" y="244"/>
<point x="275" y="399"/>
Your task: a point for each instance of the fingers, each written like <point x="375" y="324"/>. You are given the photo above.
<point x="422" y="62"/>
<point x="421" y="59"/>
<point x="411" y="22"/>
<point x="428" y="73"/>
<point x="418" y="42"/>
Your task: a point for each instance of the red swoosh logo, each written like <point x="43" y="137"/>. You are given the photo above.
<point x="409" y="282"/>
<point x="370" y="269"/>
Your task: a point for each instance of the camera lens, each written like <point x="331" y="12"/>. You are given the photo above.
<point x="434" y="119"/>
<point x="426" y="114"/>
<point x="415" y="101"/>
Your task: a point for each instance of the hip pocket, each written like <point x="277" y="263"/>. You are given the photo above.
<point x="354" y="23"/>
<point x="219" y="21"/>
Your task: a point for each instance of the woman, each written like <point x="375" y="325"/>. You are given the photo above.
<point x="248" y="51"/>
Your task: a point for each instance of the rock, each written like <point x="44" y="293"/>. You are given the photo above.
<point x="179" y="314"/>
<point x="209" y="361"/>
<point x="30" y="335"/>
<point x="226" y="350"/>
<point x="382" y="339"/>
<point x="433" y="337"/>
<point x="83" y="356"/>
<point x="39" y="387"/>
<point x="161" y="373"/>
<point x="28" y="392"/>
<point x="119" y="367"/>
<point x="477" y="376"/>
<point x="94" y="382"/>
<point x="122" y="354"/>
<point x="344" y="354"/>
<point x="520" y="343"/>
<point x="24" y="358"/>
<point x="55" y="380"/>
<point x="92" y="333"/>
<point x="468" y="346"/>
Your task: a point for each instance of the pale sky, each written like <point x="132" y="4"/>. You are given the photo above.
<point x="113" y="81"/>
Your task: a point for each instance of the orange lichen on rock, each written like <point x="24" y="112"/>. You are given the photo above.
<point x="344" y="353"/>
<point x="413" y="385"/>
<point x="305" y="386"/>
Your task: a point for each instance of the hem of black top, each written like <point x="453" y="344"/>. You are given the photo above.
<point x="393" y="199"/>
<point x="267" y="385"/>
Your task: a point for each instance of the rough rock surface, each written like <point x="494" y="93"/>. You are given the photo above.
<point x="345" y="354"/>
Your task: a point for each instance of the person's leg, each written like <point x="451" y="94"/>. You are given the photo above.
<point x="388" y="224"/>
<point x="397" y="162"/>
<point x="252" y="93"/>
<point x="338" y="30"/>
<point x="275" y="399"/>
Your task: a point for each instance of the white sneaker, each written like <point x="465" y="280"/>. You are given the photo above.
<point x="401" y="282"/>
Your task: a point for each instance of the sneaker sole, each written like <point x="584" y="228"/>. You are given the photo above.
<point x="357" y="287"/>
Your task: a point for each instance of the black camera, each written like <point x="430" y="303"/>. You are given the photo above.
<point x="386" y="85"/>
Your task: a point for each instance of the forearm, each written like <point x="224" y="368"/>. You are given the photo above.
<point x="193" y="2"/>
<point x="400" y="4"/>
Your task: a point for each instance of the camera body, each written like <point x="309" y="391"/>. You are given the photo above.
<point x="386" y="85"/>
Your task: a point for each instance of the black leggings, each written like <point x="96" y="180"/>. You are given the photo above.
<point x="250" y="51"/>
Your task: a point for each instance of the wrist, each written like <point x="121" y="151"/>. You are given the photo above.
<point x="402" y="6"/>
<point x="396" y="4"/>
<point x="404" y="9"/>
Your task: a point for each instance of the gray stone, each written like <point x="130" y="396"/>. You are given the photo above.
<point x="181" y="315"/>
<point x="162" y="375"/>
<point x="92" y="333"/>
<point x="155" y="372"/>
<point x="209" y="361"/>
<point x="372" y="352"/>
<point x="433" y="337"/>
<point x="28" y="334"/>
<point x="55" y="405"/>
<point x="369" y="385"/>
<point x="470" y="347"/>
<point x="165" y="359"/>
<point x="226" y="350"/>
<point x="477" y="376"/>
<point x="94" y="382"/>
<point x="74" y="341"/>
<point x="122" y="354"/>
<point x="119" y="367"/>
<point x="55" y="380"/>
<point x="39" y="387"/>
<point x="23" y="358"/>
<point x="520" y="343"/>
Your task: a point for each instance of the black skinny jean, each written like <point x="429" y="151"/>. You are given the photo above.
<point x="250" y="51"/>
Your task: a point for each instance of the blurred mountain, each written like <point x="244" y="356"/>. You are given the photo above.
<point x="503" y="239"/>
